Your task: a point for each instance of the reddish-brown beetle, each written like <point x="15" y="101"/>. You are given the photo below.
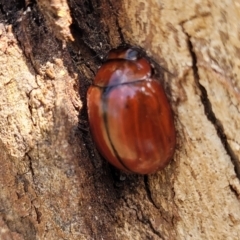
<point x="130" y="118"/>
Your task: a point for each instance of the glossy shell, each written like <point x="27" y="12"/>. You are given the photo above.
<point x="130" y="118"/>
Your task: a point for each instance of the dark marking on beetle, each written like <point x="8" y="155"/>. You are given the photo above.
<point x="104" y="98"/>
<point x="126" y="106"/>
<point x="122" y="84"/>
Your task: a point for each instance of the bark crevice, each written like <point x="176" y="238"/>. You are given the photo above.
<point x="208" y="109"/>
<point x="148" y="191"/>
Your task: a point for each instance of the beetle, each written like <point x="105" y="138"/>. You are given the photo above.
<point x="130" y="118"/>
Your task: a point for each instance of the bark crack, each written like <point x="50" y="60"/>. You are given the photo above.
<point x="153" y="229"/>
<point x="143" y="219"/>
<point x="38" y="214"/>
<point x="149" y="195"/>
<point x="30" y="165"/>
<point x="208" y="108"/>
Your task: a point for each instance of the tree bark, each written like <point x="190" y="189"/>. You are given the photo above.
<point x="53" y="182"/>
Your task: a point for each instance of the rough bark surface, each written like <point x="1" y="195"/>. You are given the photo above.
<point x="54" y="184"/>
